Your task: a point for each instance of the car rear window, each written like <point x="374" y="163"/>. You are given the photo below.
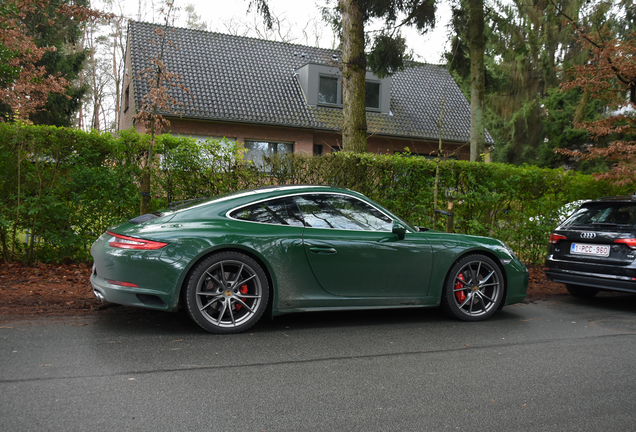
<point x="282" y="211"/>
<point x="594" y="214"/>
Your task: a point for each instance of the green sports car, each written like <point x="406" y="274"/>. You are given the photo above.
<point x="229" y="259"/>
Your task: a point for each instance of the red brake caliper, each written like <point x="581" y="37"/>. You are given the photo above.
<point x="461" y="296"/>
<point x="242" y="290"/>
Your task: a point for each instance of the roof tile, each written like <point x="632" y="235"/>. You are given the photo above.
<point x="235" y="78"/>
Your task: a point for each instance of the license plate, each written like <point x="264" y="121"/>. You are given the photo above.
<point x="590" y="249"/>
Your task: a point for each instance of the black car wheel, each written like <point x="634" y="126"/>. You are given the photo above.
<point x="474" y="288"/>
<point x="227" y="293"/>
<point x="581" y="291"/>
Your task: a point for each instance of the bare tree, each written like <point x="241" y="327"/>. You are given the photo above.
<point x="158" y="99"/>
<point x="106" y="42"/>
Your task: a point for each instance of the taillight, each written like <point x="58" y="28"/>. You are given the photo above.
<point x="555" y="238"/>
<point x="631" y="242"/>
<point x="125" y="242"/>
<point x="124" y="284"/>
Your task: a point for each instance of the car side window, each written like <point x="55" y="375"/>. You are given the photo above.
<point x="341" y="212"/>
<point x="281" y="211"/>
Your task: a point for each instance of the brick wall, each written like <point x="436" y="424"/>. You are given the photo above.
<point x="304" y="139"/>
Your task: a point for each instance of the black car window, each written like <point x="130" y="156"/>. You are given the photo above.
<point x="603" y="214"/>
<point x="281" y="211"/>
<point x="341" y="212"/>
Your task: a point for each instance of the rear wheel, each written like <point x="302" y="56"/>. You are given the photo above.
<point x="227" y="293"/>
<point x="582" y="291"/>
<point x="474" y="288"/>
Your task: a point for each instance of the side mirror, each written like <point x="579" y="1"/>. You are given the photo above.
<point x="399" y="230"/>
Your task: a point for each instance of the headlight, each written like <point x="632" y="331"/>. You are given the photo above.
<point x="510" y="251"/>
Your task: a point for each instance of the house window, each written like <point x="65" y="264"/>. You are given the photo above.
<point x="127" y="98"/>
<point x="317" y="149"/>
<point x="211" y="154"/>
<point x="372" y="95"/>
<point x="328" y="91"/>
<point x="257" y="151"/>
<point x="322" y="86"/>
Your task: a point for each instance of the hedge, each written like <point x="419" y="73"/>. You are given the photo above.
<point x="61" y="188"/>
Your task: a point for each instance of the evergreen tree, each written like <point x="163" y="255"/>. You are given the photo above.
<point x="527" y="44"/>
<point x="51" y="29"/>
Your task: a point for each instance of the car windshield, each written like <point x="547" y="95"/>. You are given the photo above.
<point x="593" y="214"/>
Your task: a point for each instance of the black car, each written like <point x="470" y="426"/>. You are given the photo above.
<point x="595" y="248"/>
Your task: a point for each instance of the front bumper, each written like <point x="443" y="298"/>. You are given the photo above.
<point x="518" y="278"/>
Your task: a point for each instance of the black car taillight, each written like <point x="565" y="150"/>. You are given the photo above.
<point x="555" y="238"/>
<point x="631" y="242"/>
<point x="125" y="242"/>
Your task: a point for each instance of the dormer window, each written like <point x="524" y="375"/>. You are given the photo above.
<point x="322" y="85"/>
<point x="328" y="91"/>
<point x="372" y="95"/>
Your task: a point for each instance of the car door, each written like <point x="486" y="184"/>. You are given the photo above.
<point x="353" y="252"/>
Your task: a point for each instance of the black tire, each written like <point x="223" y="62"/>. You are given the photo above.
<point x="227" y="293"/>
<point x="582" y="291"/>
<point x="474" y="288"/>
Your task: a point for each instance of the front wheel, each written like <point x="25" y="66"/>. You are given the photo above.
<point x="227" y="293"/>
<point x="474" y="288"/>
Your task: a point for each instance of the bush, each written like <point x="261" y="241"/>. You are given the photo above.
<point x="61" y="188"/>
<point x="518" y="205"/>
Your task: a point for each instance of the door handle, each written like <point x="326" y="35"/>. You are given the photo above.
<point x="323" y="250"/>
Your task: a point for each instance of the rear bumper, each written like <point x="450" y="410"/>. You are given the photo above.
<point x="146" y="298"/>
<point x="594" y="280"/>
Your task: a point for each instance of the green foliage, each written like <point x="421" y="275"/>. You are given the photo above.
<point x="54" y="29"/>
<point x="528" y="46"/>
<point x="61" y="188"/>
<point x="387" y="55"/>
<point x="519" y="205"/>
<point x="65" y="187"/>
<point x="189" y="168"/>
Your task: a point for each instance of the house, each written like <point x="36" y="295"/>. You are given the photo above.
<point x="276" y="97"/>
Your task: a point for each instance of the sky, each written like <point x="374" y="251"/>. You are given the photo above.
<point x="300" y="22"/>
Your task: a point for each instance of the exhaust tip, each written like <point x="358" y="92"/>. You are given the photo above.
<point x="99" y="296"/>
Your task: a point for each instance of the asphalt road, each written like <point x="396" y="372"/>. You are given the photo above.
<point x="557" y="365"/>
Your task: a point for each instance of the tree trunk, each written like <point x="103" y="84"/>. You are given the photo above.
<point x="354" y="67"/>
<point x="144" y="187"/>
<point x="144" y="204"/>
<point x="477" y="78"/>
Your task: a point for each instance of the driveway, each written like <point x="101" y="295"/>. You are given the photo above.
<point x="559" y="364"/>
